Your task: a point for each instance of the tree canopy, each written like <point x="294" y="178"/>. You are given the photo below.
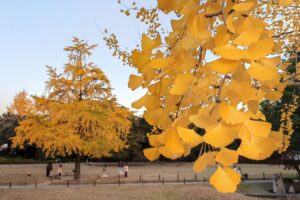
<point x="79" y="115"/>
<point x="22" y="104"/>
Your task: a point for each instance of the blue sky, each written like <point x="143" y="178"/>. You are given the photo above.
<point x="34" y="33"/>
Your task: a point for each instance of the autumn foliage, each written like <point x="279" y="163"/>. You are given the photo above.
<point x="22" y="104"/>
<point x="79" y="115"/>
<point x="220" y="59"/>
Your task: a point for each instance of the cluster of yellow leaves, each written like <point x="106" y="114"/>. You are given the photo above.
<point x="148" y="16"/>
<point x="90" y="128"/>
<point x="22" y="104"/>
<point x="79" y="115"/>
<point x="282" y="16"/>
<point x="186" y="90"/>
<point x="286" y="122"/>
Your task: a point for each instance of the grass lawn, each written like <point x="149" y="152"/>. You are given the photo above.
<point x="188" y="192"/>
<point x="168" y="171"/>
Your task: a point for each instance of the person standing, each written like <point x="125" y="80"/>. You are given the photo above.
<point x="49" y="169"/>
<point x="126" y="169"/>
<point x="120" y="169"/>
<point x="59" y="170"/>
<point x="104" y="171"/>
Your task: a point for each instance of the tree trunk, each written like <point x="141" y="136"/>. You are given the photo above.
<point x="77" y="167"/>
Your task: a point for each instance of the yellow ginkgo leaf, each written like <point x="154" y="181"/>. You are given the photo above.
<point x="258" y="128"/>
<point x="182" y="84"/>
<point x="223" y="66"/>
<point x="203" y="161"/>
<point x="140" y="59"/>
<point x="187" y="149"/>
<point x="231" y="115"/>
<point x="189" y="42"/>
<point x="155" y="88"/>
<point x="222" y="36"/>
<point x="151" y="153"/>
<point x="270" y="62"/>
<point x="189" y="136"/>
<point x="198" y="27"/>
<point x="248" y="37"/>
<point x="259" y="72"/>
<point x="245" y="25"/>
<point x="150" y="117"/>
<point x="227" y="157"/>
<point x="153" y="102"/>
<point x="205" y="119"/>
<point x="157" y="117"/>
<point x="244" y="133"/>
<point x="260" y="49"/>
<point x="257" y="148"/>
<point x="285" y="2"/>
<point x="277" y="137"/>
<point x="243" y="7"/>
<point x="241" y="90"/>
<point x="200" y="164"/>
<point x="273" y="95"/>
<point x="166" y="5"/>
<point x="258" y="115"/>
<point x="164" y="151"/>
<point x="212" y="8"/>
<point x="148" y="45"/>
<point x="173" y="143"/>
<point x="156" y="140"/>
<point x="230" y="52"/>
<point x="140" y="102"/>
<point x="135" y="81"/>
<point x="159" y="63"/>
<point x="225" y="179"/>
<point x="225" y="133"/>
<point x="230" y="23"/>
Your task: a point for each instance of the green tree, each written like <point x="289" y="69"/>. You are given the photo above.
<point x="273" y="112"/>
<point x="136" y="140"/>
<point x="8" y="123"/>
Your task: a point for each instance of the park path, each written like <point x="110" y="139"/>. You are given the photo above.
<point x="141" y="184"/>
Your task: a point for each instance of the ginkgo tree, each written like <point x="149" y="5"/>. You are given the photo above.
<point x="21" y="105"/>
<point x="78" y="115"/>
<point x="187" y="90"/>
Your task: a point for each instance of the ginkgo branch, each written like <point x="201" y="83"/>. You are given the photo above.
<point x="218" y="98"/>
<point x="282" y="34"/>
<point x="214" y="14"/>
<point x="223" y="11"/>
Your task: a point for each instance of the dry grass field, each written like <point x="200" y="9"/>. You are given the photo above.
<point x="17" y="174"/>
<point x="194" y="192"/>
<point x="169" y="171"/>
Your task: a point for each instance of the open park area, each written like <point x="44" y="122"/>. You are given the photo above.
<point x="150" y="100"/>
<point x="167" y="192"/>
<point x="164" y="180"/>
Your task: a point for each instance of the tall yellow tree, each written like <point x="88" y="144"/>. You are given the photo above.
<point x="22" y="104"/>
<point x="220" y="59"/>
<point x="79" y="115"/>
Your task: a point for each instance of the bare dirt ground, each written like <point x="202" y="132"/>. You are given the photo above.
<point x="17" y="174"/>
<point x="193" y="192"/>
